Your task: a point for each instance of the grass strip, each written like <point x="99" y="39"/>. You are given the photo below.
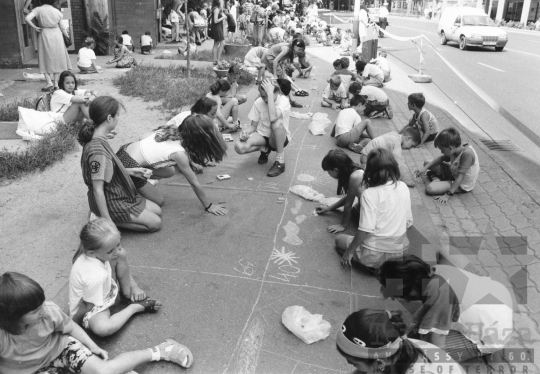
<point x="10" y="113"/>
<point x="50" y="148"/>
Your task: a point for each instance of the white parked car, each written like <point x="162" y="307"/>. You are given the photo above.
<point x="470" y="27"/>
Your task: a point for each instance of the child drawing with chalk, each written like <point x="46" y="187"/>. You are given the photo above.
<point x="37" y="337"/>
<point x="349" y="176"/>
<point x="173" y="149"/>
<point x="385" y="215"/>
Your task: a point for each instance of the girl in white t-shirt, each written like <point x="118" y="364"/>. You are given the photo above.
<point x="385" y="214"/>
<point x="349" y="176"/>
<point x="68" y="94"/>
<point x="374" y="341"/>
<point x="219" y="90"/>
<point x="100" y="271"/>
<point x="171" y="150"/>
<point x="36" y="336"/>
<point x="86" y="61"/>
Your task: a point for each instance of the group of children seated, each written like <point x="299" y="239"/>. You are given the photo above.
<point x="36" y="336"/>
<point x="86" y="60"/>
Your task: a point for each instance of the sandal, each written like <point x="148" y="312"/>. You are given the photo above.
<point x="301" y="93"/>
<point x="150" y="305"/>
<point x="356" y="148"/>
<point x="296" y="104"/>
<point x="176" y="352"/>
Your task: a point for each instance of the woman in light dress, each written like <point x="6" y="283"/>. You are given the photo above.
<point x="52" y="53"/>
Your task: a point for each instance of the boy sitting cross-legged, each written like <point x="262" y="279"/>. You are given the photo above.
<point x="335" y="96"/>
<point x="422" y="119"/>
<point x="269" y="130"/>
<point x="455" y="171"/>
<point x="394" y="142"/>
<point x="349" y="126"/>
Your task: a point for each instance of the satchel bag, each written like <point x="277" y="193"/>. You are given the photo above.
<point x="67" y="40"/>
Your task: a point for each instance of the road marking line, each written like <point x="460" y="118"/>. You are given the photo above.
<point x="527" y="53"/>
<point x="491" y="67"/>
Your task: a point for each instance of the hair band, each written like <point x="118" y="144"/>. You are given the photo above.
<point x="389" y="314"/>
<point x="359" y="351"/>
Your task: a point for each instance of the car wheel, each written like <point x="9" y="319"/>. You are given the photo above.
<point x="462" y="43"/>
<point x="443" y="38"/>
<point x="498" y="49"/>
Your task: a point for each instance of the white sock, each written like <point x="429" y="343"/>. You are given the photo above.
<point x="155" y="354"/>
<point x="280" y="157"/>
<point x="264" y="149"/>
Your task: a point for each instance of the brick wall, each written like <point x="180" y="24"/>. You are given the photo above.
<point x="136" y="16"/>
<point x="78" y="17"/>
<point x="10" y="49"/>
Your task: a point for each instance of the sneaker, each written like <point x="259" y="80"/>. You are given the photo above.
<point x="296" y="104"/>
<point x="389" y="112"/>
<point x="276" y="169"/>
<point x="263" y="158"/>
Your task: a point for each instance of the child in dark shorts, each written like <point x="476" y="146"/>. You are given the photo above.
<point x="231" y="24"/>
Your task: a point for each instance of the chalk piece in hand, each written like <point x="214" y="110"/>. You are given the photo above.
<point x="223" y="177"/>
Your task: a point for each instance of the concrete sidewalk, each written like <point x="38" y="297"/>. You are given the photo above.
<point x="225" y="281"/>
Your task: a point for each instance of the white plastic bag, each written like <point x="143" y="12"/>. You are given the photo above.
<point x="306" y="192"/>
<point x="301" y="115"/>
<point x="319" y="122"/>
<point x="33" y="77"/>
<point x="37" y="123"/>
<point x="306" y="326"/>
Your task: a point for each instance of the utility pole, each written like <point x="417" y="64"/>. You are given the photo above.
<point x="356" y="26"/>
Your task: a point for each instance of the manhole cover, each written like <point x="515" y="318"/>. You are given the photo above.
<point x="500" y="145"/>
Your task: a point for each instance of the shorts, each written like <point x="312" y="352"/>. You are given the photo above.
<point x="73" y="357"/>
<point x="232" y="28"/>
<point x="129" y="162"/>
<point x="372" y="259"/>
<point x="270" y="147"/>
<point x="431" y="137"/>
<point x="146" y="48"/>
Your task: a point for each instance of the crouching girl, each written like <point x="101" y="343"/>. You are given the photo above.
<point x="37" y="337"/>
<point x="100" y="272"/>
<point x="172" y="149"/>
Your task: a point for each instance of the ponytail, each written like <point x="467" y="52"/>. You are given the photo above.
<point x="215" y="88"/>
<point x="94" y="235"/>
<point x="86" y="132"/>
<point x="99" y="110"/>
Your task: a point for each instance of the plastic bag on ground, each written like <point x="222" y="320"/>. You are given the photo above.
<point x="306" y="192"/>
<point x="318" y="123"/>
<point x="300" y="115"/>
<point x="306" y="326"/>
<point x="33" y="77"/>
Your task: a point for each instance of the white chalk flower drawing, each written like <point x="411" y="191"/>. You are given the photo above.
<point x="317" y="177"/>
<point x="281" y="257"/>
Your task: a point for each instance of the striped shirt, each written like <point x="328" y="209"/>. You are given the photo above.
<point x="98" y="162"/>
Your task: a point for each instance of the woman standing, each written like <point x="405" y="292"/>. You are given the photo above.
<point x="53" y="57"/>
<point x="217" y="29"/>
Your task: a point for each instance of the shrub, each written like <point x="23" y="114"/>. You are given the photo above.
<point x="10" y="113"/>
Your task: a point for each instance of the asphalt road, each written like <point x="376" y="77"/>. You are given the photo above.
<point x="496" y="92"/>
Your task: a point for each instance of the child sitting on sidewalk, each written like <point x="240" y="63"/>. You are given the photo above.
<point x="371" y="74"/>
<point x="349" y="176"/>
<point x="86" y="60"/>
<point x="269" y="130"/>
<point x="393" y="142"/>
<point x="146" y="43"/>
<point x="232" y="76"/>
<point x="382" y="63"/>
<point x="455" y="171"/>
<point x="422" y="119"/>
<point x="218" y="91"/>
<point x="342" y="70"/>
<point x="335" y="96"/>
<point x="385" y="215"/>
<point x="350" y="127"/>
<point x="37" y="337"/>
<point x="377" y="102"/>
<point x="127" y="41"/>
<point x="100" y="272"/>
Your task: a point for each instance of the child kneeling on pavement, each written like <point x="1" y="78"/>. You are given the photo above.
<point x="377" y="102"/>
<point x="269" y="130"/>
<point x="385" y="215"/>
<point x="335" y="96"/>
<point x="42" y="339"/>
<point x="393" y="142"/>
<point x="455" y="171"/>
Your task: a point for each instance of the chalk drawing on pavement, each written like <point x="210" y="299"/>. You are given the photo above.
<point x="292" y="231"/>
<point x="286" y="272"/>
<point x="248" y="354"/>
<point x="281" y="257"/>
<point x="317" y="177"/>
<point x="271" y="185"/>
<point x="246" y="268"/>
<point x="299" y="219"/>
<point x="297" y="206"/>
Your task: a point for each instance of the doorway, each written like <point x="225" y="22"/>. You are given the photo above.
<point x="27" y="35"/>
